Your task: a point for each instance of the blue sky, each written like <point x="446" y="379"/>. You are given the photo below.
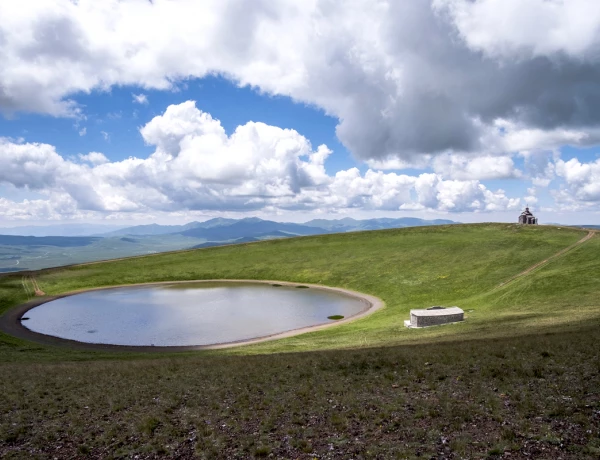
<point x="99" y="125"/>
<point x="115" y="113"/>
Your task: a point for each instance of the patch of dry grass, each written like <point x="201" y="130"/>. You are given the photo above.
<point x="536" y="396"/>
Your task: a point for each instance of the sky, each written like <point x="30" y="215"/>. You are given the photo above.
<point x="168" y="111"/>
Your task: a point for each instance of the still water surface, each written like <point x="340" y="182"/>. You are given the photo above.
<point x="187" y="314"/>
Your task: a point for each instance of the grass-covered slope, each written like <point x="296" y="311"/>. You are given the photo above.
<point x="407" y="268"/>
<point x="533" y="397"/>
<point x="518" y="379"/>
<point x="565" y="292"/>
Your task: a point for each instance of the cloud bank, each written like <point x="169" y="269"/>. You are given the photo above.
<point x="464" y="89"/>
<point x="197" y="166"/>
<point x="405" y="79"/>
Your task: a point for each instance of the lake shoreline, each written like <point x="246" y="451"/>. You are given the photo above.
<point x="11" y="321"/>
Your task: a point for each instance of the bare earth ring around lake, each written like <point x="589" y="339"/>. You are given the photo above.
<point x="184" y="315"/>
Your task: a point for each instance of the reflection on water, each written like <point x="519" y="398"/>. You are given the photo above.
<point x="187" y="314"/>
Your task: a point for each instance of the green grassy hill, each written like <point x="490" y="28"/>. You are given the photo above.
<point x="519" y="375"/>
<point x="407" y="268"/>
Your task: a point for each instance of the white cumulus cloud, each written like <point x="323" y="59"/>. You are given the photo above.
<point x="95" y="158"/>
<point x="197" y="166"/>
<point x="582" y="180"/>
<point x="140" y="99"/>
<point x="406" y="79"/>
<point x="527" y="27"/>
<point x="481" y="168"/>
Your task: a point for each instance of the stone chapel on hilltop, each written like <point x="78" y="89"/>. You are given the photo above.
<point x="527" y="218"/>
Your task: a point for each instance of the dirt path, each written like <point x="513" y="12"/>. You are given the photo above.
<point x="35" y="291"/>
<point x="590" y="235"/>
<point x="36" y="288"/>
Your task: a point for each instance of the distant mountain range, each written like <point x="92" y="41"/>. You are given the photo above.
<point x="155" y="229"/>
<point x="27" y="252"/>
<point x="348" y="224"/>
<point x="220" y="229"/>
<point x="593" y="227"/>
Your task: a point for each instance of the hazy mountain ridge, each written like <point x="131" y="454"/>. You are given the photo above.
<point x="251" y="228"/>
<point x="157" y="229"/>
<point x="382" y="223"/>
<point x="593" y="227"/>
<point x="220" y="229"/>
<point x="19" y="252"/>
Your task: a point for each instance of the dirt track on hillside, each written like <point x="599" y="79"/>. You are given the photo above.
<point x="590" y="235"/>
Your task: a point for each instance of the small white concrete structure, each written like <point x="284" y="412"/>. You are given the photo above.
<point x="434" y="316"/>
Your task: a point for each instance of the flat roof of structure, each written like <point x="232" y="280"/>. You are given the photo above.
<point x="437" y="312"/>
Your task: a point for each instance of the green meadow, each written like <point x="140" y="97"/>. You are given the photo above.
<point x="519" y="377"/>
